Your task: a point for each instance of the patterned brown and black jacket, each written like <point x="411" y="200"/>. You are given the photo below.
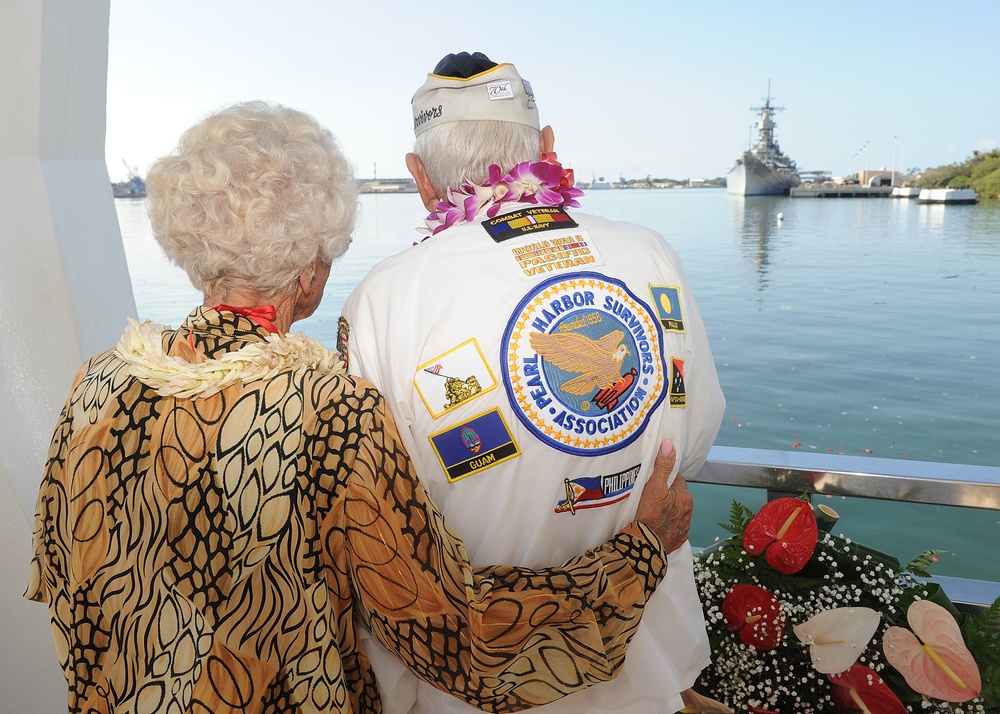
<point x="214" y="554"/>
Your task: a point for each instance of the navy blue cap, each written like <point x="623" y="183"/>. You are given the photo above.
<point x="463" y="65"/>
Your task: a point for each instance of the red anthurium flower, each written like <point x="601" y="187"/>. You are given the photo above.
<point x="756" y="614"/>
<point x="861" y="689"/>
<point x="758" y="710"/>
<point x="785" y="531"/>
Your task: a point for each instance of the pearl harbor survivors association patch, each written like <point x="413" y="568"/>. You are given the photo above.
<point x="583" y="364"/>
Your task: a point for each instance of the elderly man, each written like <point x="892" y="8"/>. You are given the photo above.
<point x="522" y="333"/>
<point x="222" y="504"/>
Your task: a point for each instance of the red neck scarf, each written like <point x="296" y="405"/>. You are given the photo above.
<point x="262" y="314"/>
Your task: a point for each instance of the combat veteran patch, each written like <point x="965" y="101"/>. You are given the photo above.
<point x="554" y="254"/>
<point x="583" y="364"/>
<point x="667" y="301"/>
<point x="597" y="491"/>
<point x="453" y="378"/>
<point x="474" y="445"/>
<point x="527" y="220"/>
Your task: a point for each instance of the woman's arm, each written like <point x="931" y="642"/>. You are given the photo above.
<point x="502" y="638"/>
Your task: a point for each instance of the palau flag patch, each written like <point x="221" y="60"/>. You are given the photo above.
<point x="474" y="445"/>
<point x="528" y="220"/>
<point x="597" y="491"/>
<point x="667" y="300"/>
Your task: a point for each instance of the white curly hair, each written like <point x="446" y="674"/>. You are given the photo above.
<point x="250" y="197"/>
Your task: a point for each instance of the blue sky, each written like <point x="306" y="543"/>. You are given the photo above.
<point x="657" y="88"/>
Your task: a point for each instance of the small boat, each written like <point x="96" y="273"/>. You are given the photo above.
<point x="132" y="187"/>
<point x="947" y="195"/>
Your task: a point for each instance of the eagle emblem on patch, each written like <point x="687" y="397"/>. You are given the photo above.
<point x="583" y="364"/>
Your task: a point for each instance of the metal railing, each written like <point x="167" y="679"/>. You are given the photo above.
<point x="783" y="473"/>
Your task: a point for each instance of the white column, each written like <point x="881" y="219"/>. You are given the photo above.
<point x="64" y="286"/>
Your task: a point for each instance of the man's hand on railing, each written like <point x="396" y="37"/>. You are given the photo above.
<point x="666" y="509"/>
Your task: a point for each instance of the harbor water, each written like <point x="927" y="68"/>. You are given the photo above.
<point x="868" y="327"/>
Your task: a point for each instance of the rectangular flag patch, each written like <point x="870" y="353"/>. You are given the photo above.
<point x="667" y="303"/>
<point x="678" y="394"/>
<point x="451" y="379"/>
<point x="527" y="220"/>
<point x="474" y="445"/>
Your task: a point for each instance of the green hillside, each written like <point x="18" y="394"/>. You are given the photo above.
<point x="980" y="172"/>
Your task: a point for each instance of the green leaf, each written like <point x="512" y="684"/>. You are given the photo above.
<point x="739" y="516"/>
<point x="982" y="636"/>
<point x="920" y="566"/>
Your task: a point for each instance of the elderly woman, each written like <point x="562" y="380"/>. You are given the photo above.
<point x="222" y="504"/>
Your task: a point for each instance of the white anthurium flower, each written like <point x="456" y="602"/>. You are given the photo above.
<point x="837" y="637"/>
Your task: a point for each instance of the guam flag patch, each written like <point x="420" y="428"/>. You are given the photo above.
<point x="528" y="220"/>
<point x="583" y="363"/>
<point x="474" y="445"/>
<point x="597" y="491"/>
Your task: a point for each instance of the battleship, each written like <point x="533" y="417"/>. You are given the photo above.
<point x="763" y="170"/>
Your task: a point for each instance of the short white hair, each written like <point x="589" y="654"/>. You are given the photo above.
<point x="462" y="150"/>
<point x="250" y="197"/>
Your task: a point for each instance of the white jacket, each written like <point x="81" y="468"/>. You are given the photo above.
<point x="533" y="379"/>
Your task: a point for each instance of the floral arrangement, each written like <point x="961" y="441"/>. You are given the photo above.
<point x="543" y="183"/>
<point x="141" y="348"/>
<point x="804" y="621"/>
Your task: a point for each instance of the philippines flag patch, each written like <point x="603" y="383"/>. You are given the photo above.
<point x="597" y="491"/>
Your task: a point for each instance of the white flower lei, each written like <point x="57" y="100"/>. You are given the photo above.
<point x="141" y="348"/>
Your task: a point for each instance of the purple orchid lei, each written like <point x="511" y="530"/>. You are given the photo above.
<point x="543" y="183"/>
